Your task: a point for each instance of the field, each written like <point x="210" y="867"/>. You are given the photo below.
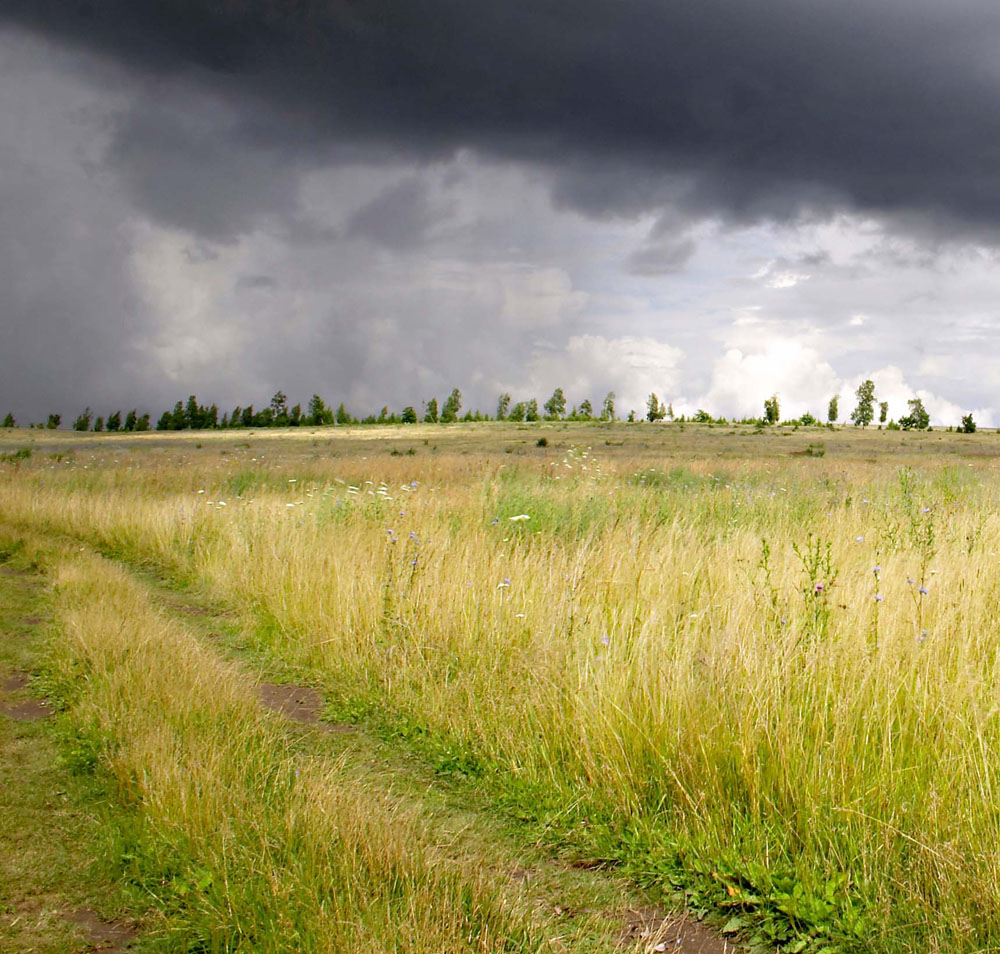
<point x="578" y="682"/>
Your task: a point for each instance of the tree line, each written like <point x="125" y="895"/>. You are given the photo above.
<point x="191" y="415"/>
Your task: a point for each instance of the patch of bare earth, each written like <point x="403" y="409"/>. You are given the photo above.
<point x="649" y="928"/>
<point x="302" y="704"/>
<point x="22" y="710"/>
<point x="111" y="937"/>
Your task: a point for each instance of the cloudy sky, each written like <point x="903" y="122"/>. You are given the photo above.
<point x="379" y="200"/>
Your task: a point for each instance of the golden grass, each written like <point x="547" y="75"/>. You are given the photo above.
<point x="630" y="643"/>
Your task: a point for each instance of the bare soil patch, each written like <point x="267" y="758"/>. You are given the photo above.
<point x="302" y="704"/>
<point x="672" y="934"/>
<point x="22" y="710"/>
<point x="108" y="936"/>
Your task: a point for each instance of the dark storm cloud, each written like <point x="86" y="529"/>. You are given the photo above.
<point x="398" y="218"/>
<point x="739" y="108"/>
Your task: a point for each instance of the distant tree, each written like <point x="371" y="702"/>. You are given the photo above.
<point x="8" y="421"/>
<point x="166" y="422"/>
<point x="130" y="420"/>
<point x="654" y="410"/>
<point x="585" y="411"/>
<point x="883" y="411"/>
<point x="531" y="410"/>
<point x="142" y="422"/>
<point x="670" y="411"/>
<point x="772" y="412"/>
<point x="53" y="421"/>
<point x="342" y="417"/>
<point x="968" y="424"/>
<point x="82" y="423"/>
<point x="247" y="416"/>
<point x="608" y="407"/>
<point x="503" y="406"/>
<point x="452" y="407"/>
<point x="631" y="417"/>
<point x="409" y="415"/>
<point x="517" y="412"/>
<point x="318" y="413"/>
<point x="295" y="416"/>
<point x="178" y="420"/>
<point x="115" y="421"/>
<point x="383" y="415"/>
<point x="807" y="420"/>
<point x="279" y="409"/>
<point x="701" y="416"/>
<point x="431" y="412"/>
<point x="917" y="419"/>
<point x="555" y="406"/>
<point x="98" y="424"/>
<point x="832" y="410"/>
<point x="864" y="413"/>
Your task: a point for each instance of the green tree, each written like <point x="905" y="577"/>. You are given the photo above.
<point x="431" y="415"/>
<point x="279" y="409"/>
<point x="295" y="416"/>
<point x="247" y="416"/>
<point x="864" y="413"/>
<point x="772" y="411"/>
<point x="53" y="421"/>
<point x="833" y="409"/>
<point x="452" y="407"/>
<point x="342" y="417"/>
<point x="409" y="415"/>
<point x="142" y="422"/>
<point x="517" y="412"/>
<point x="917" y="419"/>
<point x="586" y="410"/>
<point x="503" y="406"/>
<point x="166" y="422"/>
<point x="98" y="424"/>
<point x="115" y="421"/>
<point x="130" y="420"/>
<point x="968" y="424"/>
<point x="555" y="406"/>
<point x="883" y="411"/>
<point x="82" y="423"/>
<point x="608" y="407"/>
<point x="531" y="410"/>
<point x="318" y="412"/>
<point x="8" y="421"/>
<point x="654" y="410"/>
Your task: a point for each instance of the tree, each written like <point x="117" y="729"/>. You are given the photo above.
<point x="883" y="411"/>
<point x="864" y="413"/>
<point x="82" y="423"/>
<point x="342" y="417"/>
<point x="586" y="410"/>
<point x="142" y="422"/>
<point x="247" y="416"/>
<point x="654" y="410"/>
<point x="503" y="406"/>
<point x="772" y="412"/>
<point x="918" y="419"/>
<point x="294" y="416"/>
<point x="517" y="412"/>
<point x="279" y="409"/>
<point x="431" y="415"/>
<point x="670" y="410"/>
<point x="8" y="421"/>
<point x="531" y="410"/>
<point x="318" y="413"/>
<point x="608" y="407"/>
<point x="54" y="421"/>
<point x="115" y="421"/>
<point x="409" y="415"/>
<point x="165" y="423"/>
<point x="98" y="424"/>
<point x="130" y="420"/>
<point x="968" y="424"/>
<point x="832" y="411"/>
<point x="555" y="406"/>
<point x="452" y="407"/>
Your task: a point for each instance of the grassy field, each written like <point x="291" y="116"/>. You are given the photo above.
<point x="754" y="673"/>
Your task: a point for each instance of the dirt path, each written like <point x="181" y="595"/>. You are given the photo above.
<point x="55" y="895"/>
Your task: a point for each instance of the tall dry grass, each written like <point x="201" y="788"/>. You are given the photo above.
<point x="709" y="655"/>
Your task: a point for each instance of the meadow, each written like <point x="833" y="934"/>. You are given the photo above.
<point x="752" y="673"/>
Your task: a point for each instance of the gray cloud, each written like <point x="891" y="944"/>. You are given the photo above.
<point x="743" y="110"/>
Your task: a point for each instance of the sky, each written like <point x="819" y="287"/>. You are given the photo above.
<point x="381" y="200"/>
